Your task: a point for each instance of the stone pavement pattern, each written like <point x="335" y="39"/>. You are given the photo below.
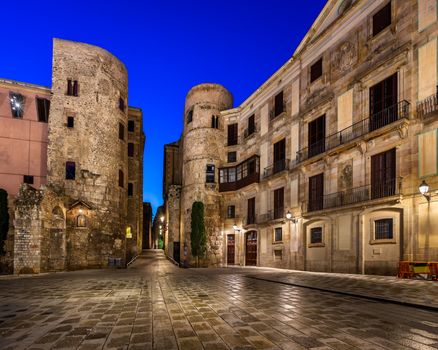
<point x="155" y="305"/>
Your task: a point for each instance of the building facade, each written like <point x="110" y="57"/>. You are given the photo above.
<point x="319" y="169"/>
<point x="88" y="211"/>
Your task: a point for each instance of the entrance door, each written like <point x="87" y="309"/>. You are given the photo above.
<point x="231" y="248"/>
<point x="251" y="248"/>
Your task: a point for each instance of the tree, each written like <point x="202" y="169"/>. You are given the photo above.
<point x="4" y="218"/>
<point x="198" y="238"/>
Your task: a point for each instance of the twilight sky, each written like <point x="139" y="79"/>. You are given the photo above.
<point x="167" y="46"/>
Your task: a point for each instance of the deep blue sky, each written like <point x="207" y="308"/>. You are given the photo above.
<point x="167" y="46"/>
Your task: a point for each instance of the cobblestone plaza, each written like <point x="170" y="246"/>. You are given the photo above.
<point x="156" y="305"/>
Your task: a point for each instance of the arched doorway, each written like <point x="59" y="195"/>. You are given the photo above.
<point x="251" y="248"/>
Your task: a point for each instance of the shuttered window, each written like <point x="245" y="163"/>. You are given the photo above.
<point x="383" y="179"/>
<point x="43" y="107"/>
<point x="316" y="136"/>
<point x="279" y="203"/>
<point x="316" y="192"/>
<point x="383" y="103"/>
<point x="251" y="211"/>
<point x="316" y="70"/>
<point x="279" y="105"/>
<point x="232" y="134"/>
<point x="382" y="19"/>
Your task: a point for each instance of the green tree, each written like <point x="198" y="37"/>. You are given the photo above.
<point x="4" y="218"/>
<point x="198" y="238"/>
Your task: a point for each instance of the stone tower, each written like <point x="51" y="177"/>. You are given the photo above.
<point x="88" y="129"/>
<point x="203" y="146"/>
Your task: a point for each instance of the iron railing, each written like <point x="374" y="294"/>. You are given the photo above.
<point x="275" y="112"/>
<point x="426" y="107"/>
<point x="276" y="167"/>
<point x="376" y="121"/>
<point x="249" y="131"/>
<point x="277" y="213"/>
<point x="352" y="196"/>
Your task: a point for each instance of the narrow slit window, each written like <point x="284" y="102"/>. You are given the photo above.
<point x="70" y="122"/>
<point x="121" y="179"/>
<point x="70" y="170"/>
<point x="130" y="149"/>
<point x="43" y="107"/>
<point x="121" y="131"/>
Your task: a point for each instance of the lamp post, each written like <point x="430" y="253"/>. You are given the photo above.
<point x="424" y="190"/>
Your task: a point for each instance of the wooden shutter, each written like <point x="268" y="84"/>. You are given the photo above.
<point x="279" y="103"/>
<point x="316" y="192"/>
<point x="316" y="135"/>
<point x="278" y="203"/>
<point x="383" y="174"/>
<point x="232" y="134"/>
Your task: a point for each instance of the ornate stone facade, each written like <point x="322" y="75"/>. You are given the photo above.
<point x="342" y="136"/>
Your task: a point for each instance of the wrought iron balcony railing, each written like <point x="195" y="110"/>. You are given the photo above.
<point x="277" y="110"/>
<point x="426" y="107"/>
<point x="277" y="213"/>
<point x="276" y="167"/>
<point x="356" y="195"/>
<point x="249" y="131"/>
<point x="376" y="121"/>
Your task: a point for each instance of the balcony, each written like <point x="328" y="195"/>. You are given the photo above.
<point x="428" y="106"/>
<point x="241" y="175"/>
<point x="270" y="215"/>
<point x="277" y="111"/>
<point x="251" y="219"/>
<point x="376" y="121"/>
<point x="277" y="167"/>
<point x="250" y="131"/>
<point x="355" y="196"/>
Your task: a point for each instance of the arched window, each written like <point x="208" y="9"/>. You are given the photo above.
<point x="81" y="221"/>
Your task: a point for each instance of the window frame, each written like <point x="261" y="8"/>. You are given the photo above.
<point x="231" y="212"/>
<point x="121" y="131"/>
<point x="316" y="68"/>
<point x="70" y="170"/>
<point x="313" y="243"/>
<point x="377" y="29"/>
<point x="276" y="230"/>
<point x="210" y="174"/>
<point x="131" y="149"/>
<point x="20" y="98"/>
<point x="232" y="134"/>
<point x="381" y="221"/>
<point x="131" y="125"/>
<point x="72" y="119"/>
<point x="46" y="107"/>
<point x="130" y="189"/>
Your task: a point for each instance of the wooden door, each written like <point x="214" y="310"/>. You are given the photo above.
<point x="231" y="249"/>
<point x="316" y="136"/>
<point x="383" y="103"/>
<point x="251" y="248"/>
<point x="383" y="177"/>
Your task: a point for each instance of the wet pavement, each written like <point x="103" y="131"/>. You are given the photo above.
<point x="156" y="305"/>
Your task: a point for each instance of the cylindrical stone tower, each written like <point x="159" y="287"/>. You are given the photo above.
<point x="203" y="145"/>
<point x="87" y="149"/>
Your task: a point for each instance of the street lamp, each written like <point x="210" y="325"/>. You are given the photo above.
<point x="290" y="217"/>
<point x="424" y="190"/>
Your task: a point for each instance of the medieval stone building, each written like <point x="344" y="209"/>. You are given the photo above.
<point x="319" y="169"/>
<point x="88" y="211"/>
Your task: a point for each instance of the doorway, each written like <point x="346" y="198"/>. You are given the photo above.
<point x="251" y="249"/>
<point x="231" y="249"/>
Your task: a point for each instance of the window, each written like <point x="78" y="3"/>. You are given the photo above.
<point x="316" y="235"/>
<point x="316" y="70"/>
<point x="383" y="179"/>
<point x="70" y="122"/>
<point x="130" y="149"/>
<point x="383" y="229"/>
<point x="122" y="104"/>
<point x="121" y="131"/>
<point x="279" y="105"/>
<point x="250" y="219"/>
<point x="316" y="136"/>
<point x="232" y="134"/>
<point x="70" y="170"/>
<point x="72" y="87"/>
<point x="231" y="212"/>
<point x="121" y="179"/>
<point x="383" y="103"/>
<point x="278" y="254"/>
<point x="81" y="221"/>
<point x="17" y="104"/>
<point x="43" y="107"/>
<point x="279" y="156"/>
<point x="130" y="189"/>
<point x="190" y="116"/>
<point x="278" y="234"/>
<point x="251" y="125"/>
<point x="209" y="173"/>
<point x="279" y="203"/>
<point x="215" y="122"/>
<point x="28" y="179"/>
<point x="232" y="157"/>
<point x="382" y="19"/>
<point x="316" y="192"/>
<point x="131" y="126"/>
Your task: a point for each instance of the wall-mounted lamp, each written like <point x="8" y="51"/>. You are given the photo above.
<point x="236" y="228"/>
<point x="162" y="218"/>
<point x="290" y="217"/>
<point x="424" y="190"/>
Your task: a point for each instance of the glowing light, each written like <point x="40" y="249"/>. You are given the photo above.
<point x="289" y="215"/>
<point x="424" y="188"/>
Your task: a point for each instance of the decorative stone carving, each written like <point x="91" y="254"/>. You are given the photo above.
<point x="403" y="130"/>
<point x="345" y="176"/>
<point x="344" y="58"/>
